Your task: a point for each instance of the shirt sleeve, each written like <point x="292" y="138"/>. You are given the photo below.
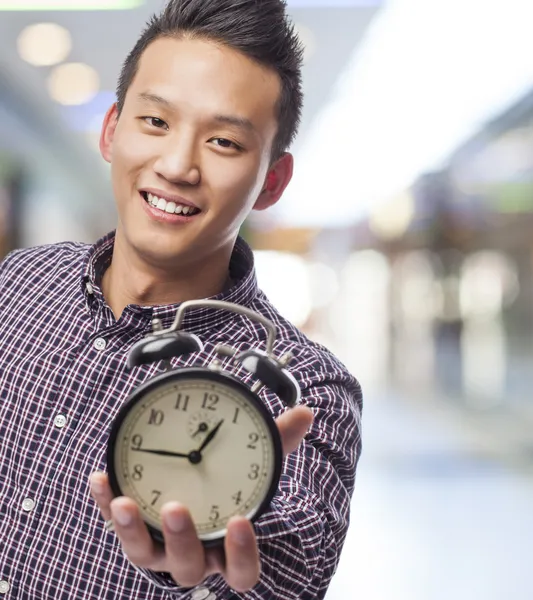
<point x="301" y="536"/>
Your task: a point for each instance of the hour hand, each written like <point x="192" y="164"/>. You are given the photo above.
<point x="161" y="452"/>
<point x="202" y="428"/>
<point x="209" y="437"/>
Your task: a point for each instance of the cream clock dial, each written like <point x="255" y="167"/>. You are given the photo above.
<point x="199" y="437"/>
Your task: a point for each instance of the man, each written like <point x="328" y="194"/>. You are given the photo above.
<point x="208" y="102"/>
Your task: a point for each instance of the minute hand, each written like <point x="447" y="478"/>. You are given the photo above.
<point x="161" y="452"/>
<point x="209" y="437"/>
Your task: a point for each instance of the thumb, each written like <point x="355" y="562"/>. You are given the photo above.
<point x="293" y="425"/>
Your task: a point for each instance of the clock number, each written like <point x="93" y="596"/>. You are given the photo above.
<point x="156" y="417"/>
<point x="214" y="515"/>
<point x="237" y="497"/>
<point x="182" y="403"/>
<point x="236" y="415"/>
<point x="210" y="401"/>
<point x="137" y="473"/>
<point x="253" y="437"/>
<point x="254" y="471"/>
<point x="157" y="495"/>
<point x="136" y="441"/>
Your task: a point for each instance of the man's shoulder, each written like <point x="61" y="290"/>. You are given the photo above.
<point x="42" y="260"/>
<point x="311" y="359"/>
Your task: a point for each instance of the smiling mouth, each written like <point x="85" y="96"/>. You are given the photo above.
<point x="169" y="207"/>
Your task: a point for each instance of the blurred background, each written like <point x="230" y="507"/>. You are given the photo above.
<point x="404" y="244"/>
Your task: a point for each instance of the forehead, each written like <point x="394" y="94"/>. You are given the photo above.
<point x="202" y="77"/>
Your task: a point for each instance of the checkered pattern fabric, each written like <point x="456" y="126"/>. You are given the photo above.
<point x="63" y="377"/>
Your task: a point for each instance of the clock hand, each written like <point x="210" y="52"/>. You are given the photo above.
<point x="202" y="427"/>
<point x="161" y="452"/>
<point x="209" y="437"/>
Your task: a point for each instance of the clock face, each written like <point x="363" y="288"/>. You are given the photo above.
<point x="198" y="437"/>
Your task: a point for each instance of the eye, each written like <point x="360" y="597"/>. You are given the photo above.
<point x="155" y="122"/>
<point x="225" y="143"/>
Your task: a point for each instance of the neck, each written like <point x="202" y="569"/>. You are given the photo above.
<point x="131" y="280"/>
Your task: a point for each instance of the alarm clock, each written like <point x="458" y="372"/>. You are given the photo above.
<point x="199" y="435"/>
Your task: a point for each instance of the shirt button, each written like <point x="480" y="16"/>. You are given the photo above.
<point x="89" y="288"/>
<point x="60" y="421"/>
<point x="28" y="504"/>
<point x="200" y="594"/>
<point x="100" y="343"/>
<point x="4" y="586"/>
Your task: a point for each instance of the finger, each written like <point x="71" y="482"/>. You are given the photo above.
<point x="215" y="560"/>
<point x="293" y="426"/>
<point x="184" y="550"/>
<point x="101" y="492"/>
<point x="133" y="534"/>
<point x="243" y="566"/>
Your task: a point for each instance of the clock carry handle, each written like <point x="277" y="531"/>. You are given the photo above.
<point x="163" y="344"/>
<point x="229" y="306"/>
<point x="264" y="365"/>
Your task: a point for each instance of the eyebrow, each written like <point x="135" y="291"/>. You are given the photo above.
<point x="239" y="122"/>
<point x="155" y="98"/>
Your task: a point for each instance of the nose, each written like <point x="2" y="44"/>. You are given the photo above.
<point x="177" y="160"/>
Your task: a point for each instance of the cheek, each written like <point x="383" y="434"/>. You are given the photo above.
<point x="234" y="184"/>
<point x="131" y="151"/>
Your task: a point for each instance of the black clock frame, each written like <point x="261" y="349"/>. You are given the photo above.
<point x="221" y="377"/>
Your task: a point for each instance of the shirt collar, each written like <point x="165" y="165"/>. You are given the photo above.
<point x="242" y="291"/>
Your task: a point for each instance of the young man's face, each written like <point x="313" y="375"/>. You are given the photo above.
<point x="196" y="131"/>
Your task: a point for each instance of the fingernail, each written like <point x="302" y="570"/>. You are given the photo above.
<point x="121" y="516"/>
<point x="177" y="523"/>
<point x="97" y="486"/>
<point x="240" y="535"/>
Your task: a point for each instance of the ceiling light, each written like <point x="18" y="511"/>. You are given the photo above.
<point x="44" y="44"/>
<point x="17" y="5"/>
<point x="73" y="83"/>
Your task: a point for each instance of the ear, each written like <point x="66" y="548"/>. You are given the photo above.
<point x="108" y="133"/>
<point x="278" y="178"/>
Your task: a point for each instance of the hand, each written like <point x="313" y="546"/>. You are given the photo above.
<point x="202" y="428"/>
<point x="162" y="452"/>
<point x="210" y="436"/>
<point x="183" y="555"/>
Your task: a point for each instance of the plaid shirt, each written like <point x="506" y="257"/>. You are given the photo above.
<point x="63" y="377"/>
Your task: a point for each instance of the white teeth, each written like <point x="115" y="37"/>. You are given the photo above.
<point x="169" y="207"/>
